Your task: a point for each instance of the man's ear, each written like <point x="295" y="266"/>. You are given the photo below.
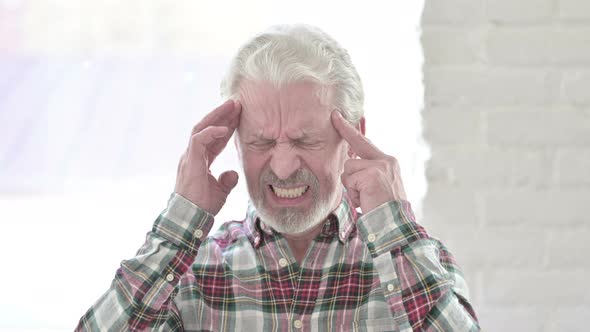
<point x="360" y="127"/>
<point x="237" y="146"/>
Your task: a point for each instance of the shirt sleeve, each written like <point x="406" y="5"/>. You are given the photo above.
<point x="420" y="278"/>
<point x="142" y="292"/>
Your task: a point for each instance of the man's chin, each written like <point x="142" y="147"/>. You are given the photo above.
<point x="295" y="219"/>
<point x="284" y="228"/>
<point x="287" y="220"/>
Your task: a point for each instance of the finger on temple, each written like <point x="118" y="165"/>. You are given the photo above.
<point x="227" y="114"/>
<point x="358" y="142"/>
<point x="215" y="147"/>
<point x="354" y="165"/>
<point x="207" y="136"/>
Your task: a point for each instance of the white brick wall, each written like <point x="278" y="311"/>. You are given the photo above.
<point x="519" y="11"/>
<point x="507" y="117"/>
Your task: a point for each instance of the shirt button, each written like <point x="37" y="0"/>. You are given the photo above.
<point x="390" y="287"/>
<point x="371" y="237"/>
<point x="298" y="324"/>
<point x="283" y="262"/>
<point x="170" y="277"/>
<point x="198" y="233"/>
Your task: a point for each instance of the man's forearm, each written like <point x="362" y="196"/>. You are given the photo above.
<point x="141" y="295"/>
<point x="420" y="279"/>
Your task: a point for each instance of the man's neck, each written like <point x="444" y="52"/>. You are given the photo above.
<point x="299" y="243"/>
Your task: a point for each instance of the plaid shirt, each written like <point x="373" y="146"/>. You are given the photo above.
<point x="377" y="272"/>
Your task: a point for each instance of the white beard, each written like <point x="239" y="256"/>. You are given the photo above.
<point x="294" y="220"/>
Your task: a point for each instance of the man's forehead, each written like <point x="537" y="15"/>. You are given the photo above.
<point x="295" y="94"/>
<point x="311" y="128"/>
<point x="300" y="108"/>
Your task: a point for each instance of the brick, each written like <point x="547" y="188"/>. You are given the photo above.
<point x="437" y="171"/>
<point x="552" y="208"/>
<point x="536" y="128"/>
<point x="461" y="166"/>
<point x="538" y="46"/>
<point x="477" y="167"/>
<point x="574" y="167"/>
<point x="568" y="249"/>
<point x="513" y="207"/>
<point x="488" y="248"/>
<point x="452" y="126"/>
<point x="451" y="45"/>
<point x="519" y="11"/>
<point x="453" y="11"/>
<point x="575" y="87"/>
<point x="514" y="287"/>
<point x="445" y="205"/>
<point x="459" y="85"/>
<point x="569" y="319"/>
<point x="510" y="318"/>
<point x="574" y="9"/>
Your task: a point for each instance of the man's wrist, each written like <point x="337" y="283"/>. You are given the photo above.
<point x="390" y="225"/>
<point x="183" y="223"/>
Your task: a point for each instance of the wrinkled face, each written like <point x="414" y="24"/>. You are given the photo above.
<point x="291" y="154"/>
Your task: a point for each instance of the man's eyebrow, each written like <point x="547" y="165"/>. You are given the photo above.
<point x="258" y="137"/>
<point x="303" y="135"/>
<point x="309" y="135"/>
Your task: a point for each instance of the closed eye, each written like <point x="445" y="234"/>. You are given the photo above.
<point x="308" y="145"/>
<point x="261" y="145"/>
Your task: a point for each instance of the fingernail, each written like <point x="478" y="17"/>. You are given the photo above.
<point x="237" y="103"/>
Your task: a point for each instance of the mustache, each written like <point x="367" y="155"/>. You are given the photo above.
<point x="302" y="175"/>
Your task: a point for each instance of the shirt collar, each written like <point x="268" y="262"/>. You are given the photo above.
<point x="341" y="221"/>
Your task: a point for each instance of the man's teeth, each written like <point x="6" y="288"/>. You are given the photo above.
<point x="289" y="193"/>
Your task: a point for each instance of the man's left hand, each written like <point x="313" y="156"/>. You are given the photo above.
<point x="373" y="179"/>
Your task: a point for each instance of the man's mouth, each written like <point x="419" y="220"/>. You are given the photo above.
<point x="291" y="193"/>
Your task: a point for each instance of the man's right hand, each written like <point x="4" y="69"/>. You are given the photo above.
<point x="209" y="137"/>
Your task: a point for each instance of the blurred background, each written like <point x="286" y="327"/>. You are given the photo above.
<point x="97" y="101"/>
<point x="484" y="102"/>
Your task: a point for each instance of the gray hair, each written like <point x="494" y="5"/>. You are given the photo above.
<point x="289" y="53"/>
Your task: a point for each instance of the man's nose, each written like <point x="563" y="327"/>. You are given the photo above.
<point x="284" y="161"/>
